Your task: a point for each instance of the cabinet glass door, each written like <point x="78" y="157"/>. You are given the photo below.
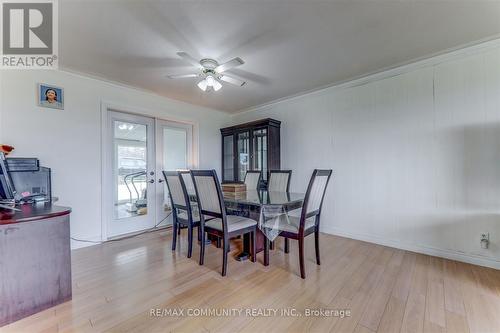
<point x="260" y="151"/>
<point x="243" y="144"/>
<point x="228" y="158"/>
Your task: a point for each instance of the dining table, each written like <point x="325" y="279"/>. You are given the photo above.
<point x="251" y="204"/>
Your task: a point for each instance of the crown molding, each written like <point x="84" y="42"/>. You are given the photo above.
<point x="119" y="84"/>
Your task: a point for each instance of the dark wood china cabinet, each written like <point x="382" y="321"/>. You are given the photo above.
<point x="250" y="146"/>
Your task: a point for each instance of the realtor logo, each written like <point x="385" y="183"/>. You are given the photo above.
<point x="29" y="34"/>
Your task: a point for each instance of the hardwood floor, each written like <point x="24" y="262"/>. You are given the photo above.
<point x="117" y="284"/>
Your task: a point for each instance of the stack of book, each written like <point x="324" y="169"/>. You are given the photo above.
<point x="236" y="190"/>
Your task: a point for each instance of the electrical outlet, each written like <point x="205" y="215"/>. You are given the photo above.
<point x="485" y="240"/>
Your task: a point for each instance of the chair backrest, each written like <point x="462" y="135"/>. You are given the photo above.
<point x="252" y="179"/>
<point x="279" y="180"/>
<point x="188" y="181"/>
<point x="175" y="189"/>
<point x="178" y="192"/>
<point x="315" y="194"/>
<point x="209" y="195"/>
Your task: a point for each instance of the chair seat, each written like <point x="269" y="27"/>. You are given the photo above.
<point x="182" y="214"/>
<point x="290" y="225"/>
<point x="234" y="223"/>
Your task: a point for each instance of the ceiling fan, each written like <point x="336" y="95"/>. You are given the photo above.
<point x="211" y="72"/>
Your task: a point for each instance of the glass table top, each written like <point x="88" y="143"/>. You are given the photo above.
<point x="264" y="197"/>
<point x="260" y="198"/>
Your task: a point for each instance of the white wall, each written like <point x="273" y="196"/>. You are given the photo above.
<point x="69" y="140"/>
<point x="415" y="156"/>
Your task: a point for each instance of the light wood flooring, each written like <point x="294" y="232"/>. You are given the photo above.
<point x="115" y="286"/>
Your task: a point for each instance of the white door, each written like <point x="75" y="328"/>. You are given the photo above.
<point x="130" y="173"/>
<point x="174" y="151"/>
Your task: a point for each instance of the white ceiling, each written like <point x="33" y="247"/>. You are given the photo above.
<point x="288" y="46"/>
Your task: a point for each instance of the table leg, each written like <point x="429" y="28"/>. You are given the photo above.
<point x="266" y="252"/>
<point x="245" y="254"/>
<point x="254" y="214"/>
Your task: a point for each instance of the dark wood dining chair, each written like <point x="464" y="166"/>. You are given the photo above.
<point x="211" y="203"/>
<point x="185" y="213"/>
<point x="253" y="179"/>
<point x="279" y="180"/>
<point x="308" y="223"/>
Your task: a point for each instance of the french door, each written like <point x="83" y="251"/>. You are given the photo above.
<point x="174" y="147"/>
<point x="137" y="150"/>
<point x="130" y="173"/>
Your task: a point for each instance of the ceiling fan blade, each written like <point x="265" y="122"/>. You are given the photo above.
<point x="182" y="76"/>
<point x="189" y="59"/>
<point x="228" y="65"/>
<point x="232" y="80"/>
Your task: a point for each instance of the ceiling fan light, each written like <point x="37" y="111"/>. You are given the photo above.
<point x="210" y="81"/>
<point x="216" y="85"/>
<point x="203" y="85"/>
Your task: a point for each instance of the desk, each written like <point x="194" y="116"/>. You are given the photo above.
<point x="35" y="260"/>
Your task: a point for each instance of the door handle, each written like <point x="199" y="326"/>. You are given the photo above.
<point x="160" y="180"/>
<point x="151" y="181"/>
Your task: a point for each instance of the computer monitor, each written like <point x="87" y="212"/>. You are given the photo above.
<point x="7" y="190"/>
<point x="32" y="183"/>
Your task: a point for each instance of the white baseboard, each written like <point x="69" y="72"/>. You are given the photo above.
<point x="96" y="240"/>
<point x="443" y="253"/>
<point x="81" y="244"/>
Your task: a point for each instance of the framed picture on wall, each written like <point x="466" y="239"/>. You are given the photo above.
<point x="50" y="96"/>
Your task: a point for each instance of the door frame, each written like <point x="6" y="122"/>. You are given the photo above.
<point x="105" y="107"/>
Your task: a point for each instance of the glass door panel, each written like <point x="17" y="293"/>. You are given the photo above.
<point x="130" y="154"/>
<point x="260" y="151"/>
<point x="174" y="152"/>
<point x="129" y="173"/>
<point x="228" y="158"/>
<point x="174" y="158"/>
<point x="243" y="144"/>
